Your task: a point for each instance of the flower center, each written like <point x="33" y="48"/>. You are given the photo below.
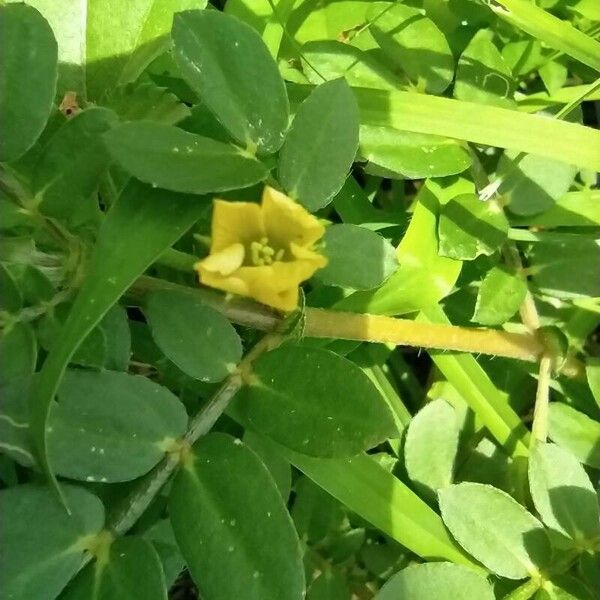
<point x="261" y="253"/>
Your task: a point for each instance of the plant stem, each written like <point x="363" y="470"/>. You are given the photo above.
<point x="525" y="591"/>
<point x="539" y="427"/>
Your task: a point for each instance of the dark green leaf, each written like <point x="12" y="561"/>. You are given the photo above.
<point x="289" y="399"/>
<point x="174" y="159"/>
<point x="43" y="544"/>
<point x="426" y="581"/>
<point x="232" y="525"/>
<point x="575" y="432"/>
<point x="563" y="494"/>
<point x="501" y="294"/>
<point x="11" y="299"/>
<point x="115" y="327"/>
<point x="70" y="167"/>
<point x="358" y="258"/>
<point x="28" y="71"/>
<point x="229" y="67"/>
<point x="130" y="570"/>
<point x="469" y="227"/>
<point x="564" y="587"/>
<point x="198" y="339"/>
<point x="18" y="353"/>
<point x="321" y="145"/>
<point x="495" y="529"/>
<point x="593" y="376"/>
<point x="138" y="229"/>
<point x="111" y="426"/>
<point x="329" y="585"/>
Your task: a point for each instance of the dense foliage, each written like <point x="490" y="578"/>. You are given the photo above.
<point x="299" y="299"/>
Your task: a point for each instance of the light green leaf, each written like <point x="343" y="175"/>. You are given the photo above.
<point x="138" y="229"/>
<point x="171" y="158"/>
<point x="533" y="183"/>
<point x="482" y="75"/>
<point x="575" y="432"/>
<point x="109" y="426"/>
<point x="139" y="101"/>
<point x="289" y="399"/>
<point x="423" y="277"/>
<point x="501" y="294"/>
<point x="43" y="544"/>
<point x="593" y="376"/>
<point x="122" y="39"/>
<point x="495" y="529"/>
<point x="331" y="59"/>
<point x="430" y="447"/>
<point x="69" y="169"/>
<point x="321" y="145"/>
<point x="412" y="155"/>
<point x="130" y="570"/>
<point x="469" y="227"/>
<point x="425" y="581"/>
<point x="358" y="258"/>
<point x="244" y="89"/>
<point x="232" y="526"/>
<point x="198" y="339"/>
<point x="372" y="492"/>
<point x="28" y="72"/>
<point x="563" y="494"/>
<point x="414" y="44"/>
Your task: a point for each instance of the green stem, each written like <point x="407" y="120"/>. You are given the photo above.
<point x="539" y="428"/>
<point x="525" y="591"/>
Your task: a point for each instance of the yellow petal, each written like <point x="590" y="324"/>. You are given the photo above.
<point x="235" y="222"/>
<point x="287" y="221"/>
<point x="224" y="262"/>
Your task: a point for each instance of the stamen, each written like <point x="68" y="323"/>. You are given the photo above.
<point x="262" y="254"/>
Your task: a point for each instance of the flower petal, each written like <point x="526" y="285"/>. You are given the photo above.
<point x="287" y="221"/>
<point x="224" y="262"/>
<point x="235" y="222"/>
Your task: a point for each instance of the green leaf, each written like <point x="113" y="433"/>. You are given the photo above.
<point x="551" y="30"/>
<point x="331" y="59"/>
<point x="495" y="529"/>
<point x="289" y="399"/>
<point x="593" y="376"/>
<point x="18" y="353"/>
<point x="564" y="587"/>
<point x="552" y="266"/>
<point x="115" y="327"/>
<point x="146" y="101"/>
<point x="430" y="447"/>
<point x="122" y="39"/>
<point x="321" y="145"/>
<point x="171" y="158"/>
<point x="198" y="339"/>
<point x="69" y="169"/>
<point x="278" y="467"/>
<point x="246" y="93"/>
<point x="137" y="230"/>
<point x="469" y="227"/>
<point x="482" y="74"/>
<point x="358" y="258"/>
<point x="423" y="277"/>
<point x="575" y="432"/>
<point x="488" y="125"/>
<point x="412" y="155"/>
<point x="163" y="539"/>
<point x="532" y="184"/>
<point x="232" y="526"/>
<point x="129" y="570"/>
<point x="425" y="581"/>
<point x="28" y="72"/>
<point x="11" y="299"/>
<point x="414" y="44"/>
<point x="563" y="494"/>
<point x="43" y="544"/>
<point x="329" y="585"/>
<point x="109" y="426"/>
<point x="501" y="294"/>
<point x="373" y="493"/>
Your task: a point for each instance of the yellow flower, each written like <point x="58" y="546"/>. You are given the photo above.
<point x="262" y="251"/>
